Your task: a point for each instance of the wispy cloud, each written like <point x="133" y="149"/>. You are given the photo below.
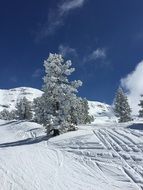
<point x="37" y="73"/>
<point x="70" y="5"/>
<point x="133" y="83"/>
<point x="67" y="51"/>
<point x="97" y="54"/>
<point x="57" y="16"/>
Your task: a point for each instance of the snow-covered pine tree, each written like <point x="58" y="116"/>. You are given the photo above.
<point x="24" y="109"/>
<point x="80" y="113"/>
<point x="12" y="114"/>
<point x="121" y="106"/>
<point x="141" y="110"/>
<point x="39" y="107"/>
<point x="59" y="94"/>
<point x="7" y="115"/>
<point x="85" y="109"/>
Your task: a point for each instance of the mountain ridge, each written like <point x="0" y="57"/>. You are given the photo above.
<point x="9" y="98"/>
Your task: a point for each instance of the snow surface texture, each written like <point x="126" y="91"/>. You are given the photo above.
<point x="96" y="157"/>
<point x="8" y="99"/>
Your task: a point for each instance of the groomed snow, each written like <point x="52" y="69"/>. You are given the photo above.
<point x="96" y="157"/>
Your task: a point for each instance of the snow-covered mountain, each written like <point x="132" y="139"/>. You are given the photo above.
<point x="9" y="98"/>
<point x="101" y="112"/>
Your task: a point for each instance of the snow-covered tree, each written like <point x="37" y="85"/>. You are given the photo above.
<point x="85" y="110"/>
<point x="24" y="109"/>
<point x="141" y="110"/>
<point x="7" y="115"/>
<point x="59" y="94"/>
<point x="39" y="107"/>
<point x="80" y="113"/>
<point x="4" y="114"/>
<point x="121" y="106"/>
<point x="12" y="114"/>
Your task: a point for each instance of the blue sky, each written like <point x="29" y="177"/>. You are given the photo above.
<point x="104" y="40"/>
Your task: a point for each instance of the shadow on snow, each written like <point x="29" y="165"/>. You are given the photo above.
<point x="11" y="122"/>
<point x="137" y="126"/>
<point x="27" y="141"/>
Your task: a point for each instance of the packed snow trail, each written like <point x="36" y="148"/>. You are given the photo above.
<point x="92" y="158"/>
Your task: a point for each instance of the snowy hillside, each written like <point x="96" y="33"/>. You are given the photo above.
<point x="101" y="112"/>
<point x="8" y="99"/>
<point x="96" y="157"/>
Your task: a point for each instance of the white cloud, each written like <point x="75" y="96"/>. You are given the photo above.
<point x="69" y="5"/>
<point x="133" y="83"/>
<point x="66" y="50"/>
<point x="99" y="53"/>
<point x="37" y="73"/>
<point x="57" y="16"/>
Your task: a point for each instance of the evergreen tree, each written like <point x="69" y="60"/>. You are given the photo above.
<point x="4" y="114"/>
<point x="59" y="95"/>
<point x="121" y="106"/>
<point x="80" y="113"/>
<point x="12" y="114"/>
<point x="85" y="109"/>
<point x="24" y="109"/>
<point x="39" y="107"/>
<point x="7" y="115"/>
<point x="141" y="105"/>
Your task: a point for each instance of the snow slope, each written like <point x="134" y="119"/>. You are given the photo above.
<point x="101" y="112"/>
<point x="96" y="157"/>
<point x="8" y="99"/>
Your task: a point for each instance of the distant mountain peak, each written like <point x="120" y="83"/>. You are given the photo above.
<point x="9" y="98"/>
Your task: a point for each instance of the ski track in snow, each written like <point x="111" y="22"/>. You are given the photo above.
<point x="92" y="158"/>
